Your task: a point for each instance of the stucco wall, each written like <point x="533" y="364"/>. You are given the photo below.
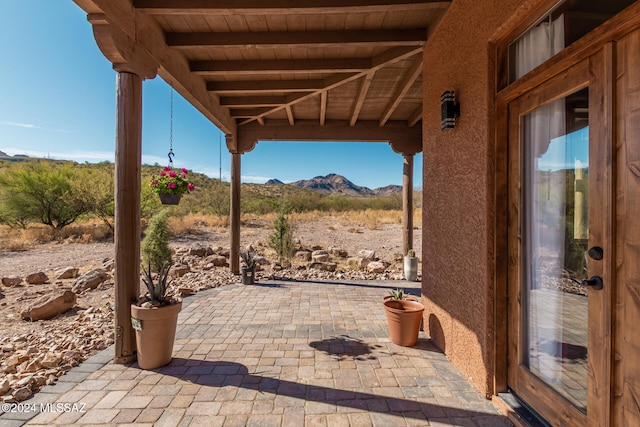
<point x="458" y="224"/>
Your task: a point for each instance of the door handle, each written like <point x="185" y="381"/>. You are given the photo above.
<point x="594" y="283"/>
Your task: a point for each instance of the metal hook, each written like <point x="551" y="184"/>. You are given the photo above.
<point x="171" y="156"/>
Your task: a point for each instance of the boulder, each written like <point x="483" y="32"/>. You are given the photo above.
<point x="90" y="280"/>
<point x="323" y="266"/>
<point x="339" y="252"/>
<point x="4" y="386"/>
<point x="320" y="256"/>
<point x="22" y="394"/>
<point x="37" y="278"/>
<point x="200" y="250"/>
<point x="108" y="264"/>
<point x="303" y="255"/>
<point x="217" y="260"/>
<point x="367" y="254"/>
<point x="180" y="270"/>
<point x="49" y="306"/>
<point x="376" y="267"/>
<point x="357" y="263"/>
<point x="11" y="281"/>
<point x="67" y="273"/>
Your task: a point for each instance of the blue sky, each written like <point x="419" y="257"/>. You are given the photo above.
<point x="57" y="99"/>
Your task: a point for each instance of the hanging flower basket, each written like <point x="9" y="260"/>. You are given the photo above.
<point x="170" y="199"/>
<point x="171" y="185"/>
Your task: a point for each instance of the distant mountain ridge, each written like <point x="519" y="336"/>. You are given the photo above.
<point x="338" y="184"/>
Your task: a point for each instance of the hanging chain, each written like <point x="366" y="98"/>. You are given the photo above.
<point x="171" y="128"/>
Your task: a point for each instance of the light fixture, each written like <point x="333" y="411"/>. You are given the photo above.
<point x="450" y="110"/>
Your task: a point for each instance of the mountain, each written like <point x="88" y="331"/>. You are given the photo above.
<point x="274" y="182"/>
<point x="338" y="184"/>
<point x="3" y="154"/>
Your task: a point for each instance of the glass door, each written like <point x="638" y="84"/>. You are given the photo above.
<point x="556" y="246"/>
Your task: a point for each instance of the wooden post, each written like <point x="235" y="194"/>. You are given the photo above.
<point x="127" y="210"/>
<point x="407" y="204"/>
<point x="234" y="214"/>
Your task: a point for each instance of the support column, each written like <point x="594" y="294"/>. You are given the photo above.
<point x="127" y="210"/>
<point x="234" y="214"/>
<point x="407" y="203"/>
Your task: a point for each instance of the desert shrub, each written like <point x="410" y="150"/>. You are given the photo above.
<point x="281" y="239"/>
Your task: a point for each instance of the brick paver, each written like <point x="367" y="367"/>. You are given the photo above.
<point x="280" y="353"/>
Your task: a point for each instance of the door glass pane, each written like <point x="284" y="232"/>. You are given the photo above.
<point x="556" y="169"/>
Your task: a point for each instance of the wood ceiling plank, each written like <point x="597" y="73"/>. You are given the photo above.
<point x="191" y="7"/>
<point x="396" y="98"/>
<point x="362" y="94"/>
<point x="413" y="37"/>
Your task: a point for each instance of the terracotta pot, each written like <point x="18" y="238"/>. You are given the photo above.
<point x="406" y="297"/>
<point x="411" y="268"/>
<point x="155" y="333"/>
<point x="404" y="318"/>
<point x="169" y="199"/>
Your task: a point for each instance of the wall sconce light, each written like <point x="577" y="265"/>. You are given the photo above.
<point x="450" y="110"/>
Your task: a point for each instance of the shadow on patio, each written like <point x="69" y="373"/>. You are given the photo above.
<point x="279" y="354"/>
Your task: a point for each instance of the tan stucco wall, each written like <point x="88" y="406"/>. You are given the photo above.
<point x="458" y="172"/>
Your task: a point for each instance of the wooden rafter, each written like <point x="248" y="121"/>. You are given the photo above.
<point x="415" y="117"/>
<point x="207" y="7"/>
<point x="277" y="66"/>
<point x="265" y="86"/>
<point x="409" y="78"/>
<point x="414" y="37"/>
<point x="362" y="94"/>
<point x="323" y="107"/>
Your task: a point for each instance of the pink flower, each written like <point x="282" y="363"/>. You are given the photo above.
<point x="184" y="171"/>
<point x="166" y="168"/>
<point x="154" y="182"/>
<point x="171" y="185"/>
<point x="190" y="187"/>
<point x="184" y="176"/>
<point x="162" y="174"/>
<point x="172" y="174"/>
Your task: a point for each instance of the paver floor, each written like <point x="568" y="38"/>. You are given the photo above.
<point x="280" y="353"/>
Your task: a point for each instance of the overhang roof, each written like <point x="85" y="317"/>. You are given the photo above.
<point x="277" y="62"/>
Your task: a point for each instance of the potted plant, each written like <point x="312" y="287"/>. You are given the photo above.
<point x="248" y="266"/>
<point x="404" y="317"/>
<point x="411" y="266"/>
<point x="155" y="315"/>
<point x="171" y="185"/>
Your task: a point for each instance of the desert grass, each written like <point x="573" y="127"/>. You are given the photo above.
<point x="196" y="223"/>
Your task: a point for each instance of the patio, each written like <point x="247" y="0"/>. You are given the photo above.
<point x="280" y="353"/>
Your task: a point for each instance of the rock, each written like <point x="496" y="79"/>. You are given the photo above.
<point x="320" y="256"/>
<point x="376" y="267"/>
<point x="108" y="264"/>
<point x="51" y="360"/>
<point x="67" y="273"/>
<point x="217" y="260"/>
<point x="4" y="386"/>
<point x="200" y="250"/>
<point x="367" y="254"/>
<point x="184" y="292"/>
<point x="303" y="255"/>
<point x="180" y="270"/>
<point x="260" y="260"/>
<point x="37" y="278"/>
<point x="357" y="263"/>
<point x="338" y="252"/>
<point x="22" y="394"/>
<point x="90" y="280"/>
<point x="49" y="306"/>
<point x="11" y="281"/>
<point x="324" y="266"/>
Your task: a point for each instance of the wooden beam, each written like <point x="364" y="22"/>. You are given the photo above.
<point x="226" y="7"/>
<point x="413" y="37"/>
<point x="397" y="133"/>
<point x="263" y="86"/>
<point x="407" y="203"/>
<point x="416" y="116"/>
<point x="234" y="214"/>
<point x="243" y="113"/>
<point x="253" y="101"/>
<point x="323" y="107"/>
<point x="412" y="74"/>
<point x="362" y="94"/>
<point x="290" y="115"/>
<point x="127" y="210"/>
<point x="277" y="66"/>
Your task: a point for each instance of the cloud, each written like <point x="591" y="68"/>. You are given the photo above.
<point x="89" y="156"/>
<point x="31" y="126"/>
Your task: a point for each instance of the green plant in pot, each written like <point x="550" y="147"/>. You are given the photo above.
<point x="249" y="263"/>
<point x="155" y="315"/>
<point x="404" y="316"/>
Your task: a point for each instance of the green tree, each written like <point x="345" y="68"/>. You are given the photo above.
<point x="281" y="239"/>
<point x="156" y="253"/>
<point x="43" y="192"/>
<point x="95" y="185"/>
